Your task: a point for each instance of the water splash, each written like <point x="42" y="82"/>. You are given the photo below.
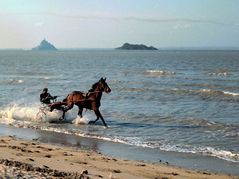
<point x="81" y="120"/>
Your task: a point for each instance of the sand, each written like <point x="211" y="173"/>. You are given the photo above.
<point x="31" y="159"/>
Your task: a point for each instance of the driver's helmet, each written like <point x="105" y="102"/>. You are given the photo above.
<point x="45" y="90"/>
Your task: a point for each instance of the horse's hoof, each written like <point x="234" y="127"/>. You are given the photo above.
<point x="91" y="122"/>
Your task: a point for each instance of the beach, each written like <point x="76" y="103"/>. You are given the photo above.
<point x="23" y="158"/>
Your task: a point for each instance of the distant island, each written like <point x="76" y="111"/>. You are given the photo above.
<point x="128" y="46"/>
<point x="45" y="45"/>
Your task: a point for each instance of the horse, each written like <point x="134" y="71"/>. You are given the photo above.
<point x="89" y="100"/>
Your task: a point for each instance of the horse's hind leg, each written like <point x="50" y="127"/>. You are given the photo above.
<point x="63" y="116"/>
<point x="93" y="122"/>
<point x="55" y="106"/>
<point x="68" y="107"/>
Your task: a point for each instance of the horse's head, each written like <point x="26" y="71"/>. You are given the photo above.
<point x="103" y="86"/>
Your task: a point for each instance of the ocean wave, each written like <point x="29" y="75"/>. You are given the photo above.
<point x="200" y="123"/>
<point x="12" y="81"/>
<point x="137" y="141"/>
<point x="219" y="74"/>
<point x="207" y="151"/>
<point x="213" y="128"/>
<point x="83" y="134"/>
<point x="182" y="148"/>
<point x="159" y="73"/>
<point x="230" y="93"/>
<point x="132" y="89"/>
<point x="206" y="92"/>
<point x="214" y="92"/>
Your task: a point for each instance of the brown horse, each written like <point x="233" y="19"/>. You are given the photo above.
<point x="90" y="100"/>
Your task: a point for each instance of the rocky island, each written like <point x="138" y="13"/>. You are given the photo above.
<point x="128" y="46"/>
<point x="45" y="45"/>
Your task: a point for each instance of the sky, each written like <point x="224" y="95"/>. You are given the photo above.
<point x="110" y="23"/>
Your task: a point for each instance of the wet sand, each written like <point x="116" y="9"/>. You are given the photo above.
<point x="39" y="160"/>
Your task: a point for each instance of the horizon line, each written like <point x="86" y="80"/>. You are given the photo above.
<point x="113" y="48"/>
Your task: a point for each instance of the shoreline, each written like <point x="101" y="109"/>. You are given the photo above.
<point x="188" y="161"/>
<point x="34" y="158"/>
<point x="123" y="151"/>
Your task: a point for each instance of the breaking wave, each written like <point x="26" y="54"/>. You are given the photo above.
<point x="206" y="91"/>
<point x="219" y="74"/>
<point x="12" y="81"/>
<point x="159" y="73"/>
<point x="207" y="151"/>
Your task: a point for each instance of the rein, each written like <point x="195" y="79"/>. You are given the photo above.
<point x="95" y="92"/>
<point x="86" y="95"/>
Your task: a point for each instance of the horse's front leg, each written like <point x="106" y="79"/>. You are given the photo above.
<point x="93" y="122"/>
<point x="98" y="114"/>
<point x="80" y="111"/>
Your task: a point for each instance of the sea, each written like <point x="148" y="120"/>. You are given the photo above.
<point x="176" y="105"/>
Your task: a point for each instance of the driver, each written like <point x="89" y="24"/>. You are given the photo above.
<point x="46" y="97"/>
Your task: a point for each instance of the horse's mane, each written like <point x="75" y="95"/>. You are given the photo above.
<point x="93" y="87"/>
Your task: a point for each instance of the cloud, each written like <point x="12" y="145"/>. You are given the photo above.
<point x="145" y="19"/>
<point x="128" y="18"/>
